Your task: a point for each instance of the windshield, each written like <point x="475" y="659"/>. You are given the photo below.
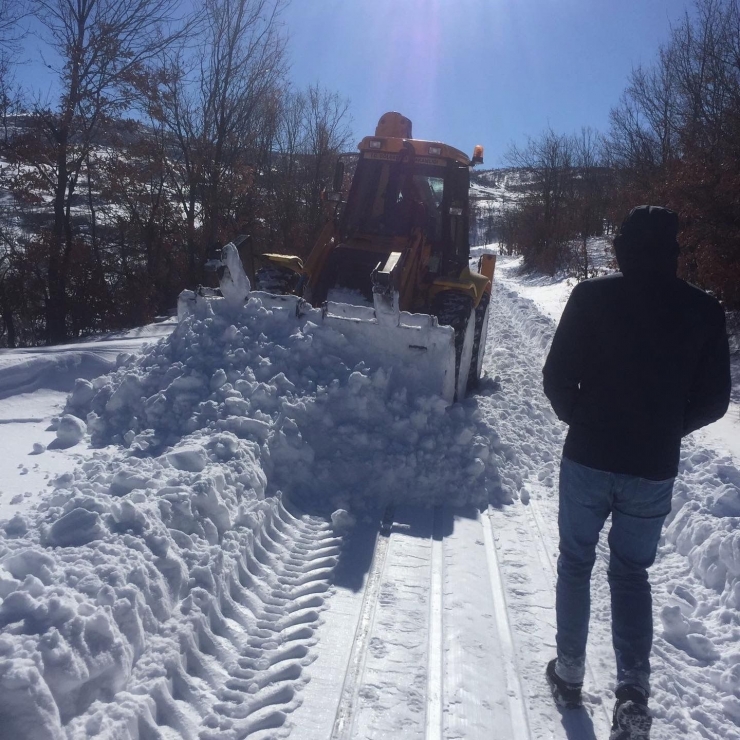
<point x="390" y="199"/>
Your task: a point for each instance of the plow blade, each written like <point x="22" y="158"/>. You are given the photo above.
<point x="413" y="349"/>
<point x="417" y="352"/>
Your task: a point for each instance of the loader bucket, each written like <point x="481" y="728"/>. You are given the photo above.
<point x="414" y="349"/>
<point x="418" y="353"/>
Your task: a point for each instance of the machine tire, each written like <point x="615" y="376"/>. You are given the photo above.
<point x="456" y="310"/>
<point x="275" y="279"/>
<point x="479" y="342"/>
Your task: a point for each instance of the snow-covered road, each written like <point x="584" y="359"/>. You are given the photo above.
<point x="457" y="620"/>
<point x="461" y="610"/>
<point x="164" y="588"/>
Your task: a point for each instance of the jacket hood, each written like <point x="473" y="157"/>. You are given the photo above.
<point x="646" y="243"/>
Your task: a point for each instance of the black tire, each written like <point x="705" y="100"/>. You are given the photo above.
<point x="276" y="279"/>
<point x="479" y="342"/>
<point x="453" y="309"/>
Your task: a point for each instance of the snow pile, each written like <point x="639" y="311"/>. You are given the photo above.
<point x="29" y="369"/>
<point x="145" y="584"/>
<point x="70" y="431"/>
<point x="165" y="585"/>
<point x="326" y="423"/>
<point x="705" y="522"/>
<point x="234" y="282"/>
<point x="174" y="605"/>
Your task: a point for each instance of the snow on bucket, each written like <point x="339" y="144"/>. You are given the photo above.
<point x="418" y="352"/>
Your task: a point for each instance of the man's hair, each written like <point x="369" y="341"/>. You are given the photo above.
<point x="650" y="226"/>
<point x="647" y="241"/>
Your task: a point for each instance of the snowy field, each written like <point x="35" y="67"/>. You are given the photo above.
<point x="256" y="534"/>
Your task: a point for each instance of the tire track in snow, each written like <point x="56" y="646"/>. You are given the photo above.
<point x="477" y="690"/>
<point x="432" y="625"/>
<point x="517" y="707"/>
<point x="270" y="671"/>
<point x="393" y="687"/>
<point x="251" y="650"/>
<point x="343" y="722"/>
<point x="435" y="669"/>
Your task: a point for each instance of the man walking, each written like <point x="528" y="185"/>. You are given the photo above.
<point x="639" y="360"/>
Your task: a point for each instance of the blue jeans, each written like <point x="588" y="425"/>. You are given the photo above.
<point x="638" y="508"/>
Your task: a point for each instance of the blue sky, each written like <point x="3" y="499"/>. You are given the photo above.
<point x="478" y="71"/>
<point x="466" y="72"/>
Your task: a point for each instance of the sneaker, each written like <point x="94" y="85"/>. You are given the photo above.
<point x="632" y="719"/>
<point x="566" y="695"/>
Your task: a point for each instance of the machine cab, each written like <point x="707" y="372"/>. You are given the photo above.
<point x="409" y="196"/>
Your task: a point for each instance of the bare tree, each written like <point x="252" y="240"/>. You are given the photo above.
<point x="675" y="139"/>
<point x="327" y="134"/>
<point x="11" y="98"/>
<point x="115" y="215"/>
<point x="213" y="107"/>
<point x="313" y="130"/>
<point x="590" y="196"/>
<point x="105" y="46"/>
<point x="142" y="224"/>
<point x="11" y="13"/>
<point x="542" y="223"/>
<point x="644" y="126"/>
<point x="564" y="201"/>
<point x="285" y="175"/>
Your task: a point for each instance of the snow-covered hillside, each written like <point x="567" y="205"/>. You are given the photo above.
<point x="257" y="534"/>
<point x="492" y="191"/>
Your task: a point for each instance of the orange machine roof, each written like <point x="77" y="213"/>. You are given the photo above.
<point x="390" y="147"/>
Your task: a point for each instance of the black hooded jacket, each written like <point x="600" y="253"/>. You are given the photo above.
<point x="639" y="359"/>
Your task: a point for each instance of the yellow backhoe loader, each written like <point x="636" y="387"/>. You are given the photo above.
<point x="399" y="245"/>
<point x="390" y="269"/>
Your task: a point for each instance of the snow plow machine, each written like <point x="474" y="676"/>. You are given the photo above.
<point x="390" y="269"/>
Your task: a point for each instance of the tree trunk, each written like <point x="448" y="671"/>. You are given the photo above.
<point x="9" y="321"/>
<point x="56" y="304"/>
